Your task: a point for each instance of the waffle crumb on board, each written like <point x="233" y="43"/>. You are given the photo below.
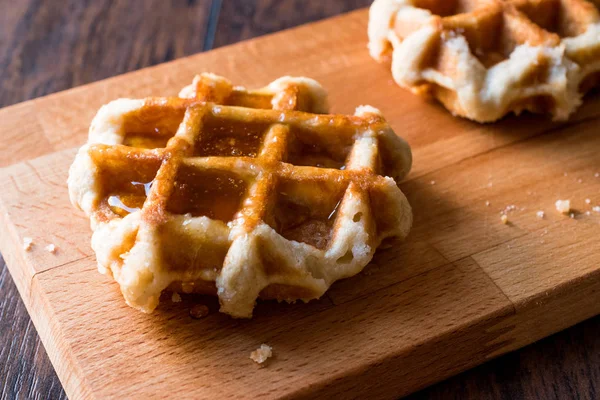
<point x="563" y="206"/>
<point x="262" y="354"/>
<point x="27" y="243"/>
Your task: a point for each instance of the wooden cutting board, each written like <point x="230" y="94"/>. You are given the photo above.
<point x="462" y="289"/>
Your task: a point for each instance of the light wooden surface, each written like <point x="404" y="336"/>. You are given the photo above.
<point x="462" y="289"/>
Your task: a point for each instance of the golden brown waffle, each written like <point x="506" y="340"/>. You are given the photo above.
<point x="238" y="193"/>
<point x="485" y="58"/>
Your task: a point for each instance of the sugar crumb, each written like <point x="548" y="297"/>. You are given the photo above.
<point x="596" y="209"/>
<point x="579" y="180"/>
<point x="27" y="243"/>
<point x="432" y="183"/>
<point x="588" y="213"/>
<point x="572" y="216"/>
<point x="588" y="201"/>
<point x="504" y="219"/>
<point x="176" y="297"/>
<point x="487" y="203"/>
<point x="261" y="354"/>
<point x="540" y="214"/>
<point x="51" y="248"/>
<point x="563" y="206"/>
<point x="597" y="174"/>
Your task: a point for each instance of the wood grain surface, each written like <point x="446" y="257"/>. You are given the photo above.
<point x="45" y="48"/>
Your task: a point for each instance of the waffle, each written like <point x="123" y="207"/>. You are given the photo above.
<point x="486" y="58"/>
<point x="238" y="193"/>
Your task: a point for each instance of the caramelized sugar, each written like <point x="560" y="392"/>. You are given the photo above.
<point x="310" y="224"/>
<point x="313" y="156"/>
<point x="230" y="139"/>
<point x="129" y="197"/>
<point x="308" y="149"/>
<point x="153" y="125"/>
<point x="146" y="141"/>
<point x="445" y="8"/>
<point x="126" y="182"/>
<point x="185" y="250"/>
<point x="214" y="194"/>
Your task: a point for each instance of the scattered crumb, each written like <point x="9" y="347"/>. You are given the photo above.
<point x="27" y="243"/>
<point x="572" y="216"/>
<point x="545" y="232"/>
<point x="504" y="219"/>
<point x="563" y="206"/>
<point x="579" y="180"/>
<point x="508" y="209"/>
<point x="489" y="184"/>
<point x="487" y="203"/>
<point x="51" y="248"/>
<point x="198" y="311"/>
<point x="540" y="214"/>
<point x="565" y="174"/>
<point x="176" y="297"/>
<point x="597" y="174"/>
<point x="596" y="209"/>
<point x="261" y="354"/>
<point x="588" y="213"/>
<point x="432" y="182"/>
<point x="587" y="201"/>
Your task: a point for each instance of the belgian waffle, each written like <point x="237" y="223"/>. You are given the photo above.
<point x="238" y="193"/>
<point x="485" y="58"/>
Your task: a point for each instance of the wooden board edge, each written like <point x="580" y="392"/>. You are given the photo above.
<point x="10" y="248"/>
<point x="65" y="364"/>
<point x="548" y="313"/>
<point x="44" y="323"/>
<point x="512" y="327"/>
<point x="25" y="279"/>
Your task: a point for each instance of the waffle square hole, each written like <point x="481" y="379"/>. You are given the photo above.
<point x="152" y="126"/>
<point x="228" y="138"/>
<point x="566" y="19"/>
<point x="215" y="194"/>
<point x="306" y="211"/>
<point x="127" y="184"/>
<point x="447" y="8"/>
<point x="306" y="148"/>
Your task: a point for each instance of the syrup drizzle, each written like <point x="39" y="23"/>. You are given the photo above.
<point x="118" y="202"/>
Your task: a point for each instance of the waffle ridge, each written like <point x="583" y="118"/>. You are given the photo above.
<point x="483" y="59"/>
<point x="238" y="193"/>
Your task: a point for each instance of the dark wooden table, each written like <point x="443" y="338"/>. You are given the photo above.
<point x="47" y="46"/>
